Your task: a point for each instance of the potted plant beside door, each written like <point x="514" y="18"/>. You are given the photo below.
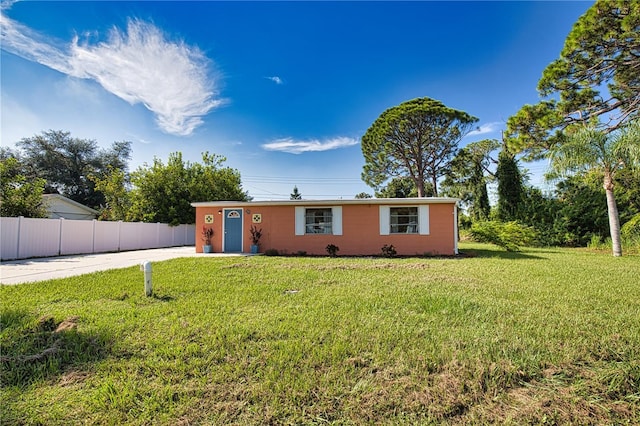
<point x="255" y="238"/>
<point x="207" y="233"/>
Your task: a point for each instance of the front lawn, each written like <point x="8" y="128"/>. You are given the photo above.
<point x="542" y="336"/>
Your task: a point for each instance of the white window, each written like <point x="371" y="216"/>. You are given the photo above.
<point x="404" y="220"/>
<point x="318" y="220"/>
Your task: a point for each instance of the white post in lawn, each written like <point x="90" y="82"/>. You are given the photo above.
<point x="146" y="267"/>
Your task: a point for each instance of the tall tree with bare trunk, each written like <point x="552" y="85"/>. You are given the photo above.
<point x="416" y="139"/>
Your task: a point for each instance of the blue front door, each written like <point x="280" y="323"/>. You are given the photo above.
<point x="232" y="230"/>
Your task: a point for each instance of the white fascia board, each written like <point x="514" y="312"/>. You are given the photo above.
<point x="329" y="203"/>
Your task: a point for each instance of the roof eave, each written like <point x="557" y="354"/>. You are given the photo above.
<point x="363" y="201"/>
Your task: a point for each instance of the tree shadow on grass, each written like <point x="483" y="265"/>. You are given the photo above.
<point x="39" y="349"/>
<point x="497" y="253"/>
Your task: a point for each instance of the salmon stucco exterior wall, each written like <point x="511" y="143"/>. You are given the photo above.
<point x="359" y="227"/>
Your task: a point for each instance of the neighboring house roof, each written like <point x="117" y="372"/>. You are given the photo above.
<point x="413" y="201"/>
<point x="59" y="206"/>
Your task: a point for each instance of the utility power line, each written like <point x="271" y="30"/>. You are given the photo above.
<point x="308" y="180"/>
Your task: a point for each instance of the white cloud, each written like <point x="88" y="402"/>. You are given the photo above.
<point x="6" y="4"/>
<point x="139" y="65"/>
<point x="26" y="43"/>
<point x="485" y="128"/>
<point x="293" y="146"/>
<point x="132" y="136"/>
<point x="275" y="79"/>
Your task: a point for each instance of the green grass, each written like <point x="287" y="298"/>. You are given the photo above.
<point x="542" y="336"/>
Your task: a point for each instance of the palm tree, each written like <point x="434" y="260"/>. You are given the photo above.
<point x="593" y="150"/>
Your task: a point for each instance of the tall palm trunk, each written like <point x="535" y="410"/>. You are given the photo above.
<point x="614" y="218"/>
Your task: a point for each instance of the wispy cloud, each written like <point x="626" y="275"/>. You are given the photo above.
<point x="293" y="146"/>
<point x="6" y="4"/>
<point x="485" y="128"/>
<point x="139" y="65"/>
<point x="138" y="139"/>
<point x="275" y="79"/>
<point x="26" y="43"/>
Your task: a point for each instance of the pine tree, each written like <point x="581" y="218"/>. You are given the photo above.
<point x="295" y="195"/>
<point x="510" y="187"/>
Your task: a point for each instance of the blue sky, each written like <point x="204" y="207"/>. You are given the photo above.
<point x="284" y="90"/>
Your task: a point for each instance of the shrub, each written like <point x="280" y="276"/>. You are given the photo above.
<point x="630" y="245"/>
<point x="389" y="250"/>
<point x="508" y="235"/>
<point x="596" y="243"/>
<point x="332" y="249"/>
<point x="629" y="234"/>
<point x="631" y="230"/>
<point x="271" y="252"/>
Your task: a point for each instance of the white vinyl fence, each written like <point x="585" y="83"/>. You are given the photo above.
<point x="24" y="238"/>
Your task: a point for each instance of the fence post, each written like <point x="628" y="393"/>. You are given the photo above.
<point x="119" y="235"/>
<point x="60" y="237"/>
<point x="93" y="237"/>
<point x="19" y="236"/>
<point x="148" y="286"/>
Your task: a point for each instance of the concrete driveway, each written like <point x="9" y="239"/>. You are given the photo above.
<point x="41" y="269"/>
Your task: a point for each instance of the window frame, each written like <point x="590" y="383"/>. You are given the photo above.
<point x="411" y="225"/>
<point x="301" y="219"/>
<point x="423" y="219"/>
<point x="319" y="220"/>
